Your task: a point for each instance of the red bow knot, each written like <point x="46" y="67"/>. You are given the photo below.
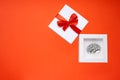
<point x="73" y="21"/>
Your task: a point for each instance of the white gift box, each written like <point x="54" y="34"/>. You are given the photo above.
<point x="69" y="35"/>
<point x="93" y="48"/>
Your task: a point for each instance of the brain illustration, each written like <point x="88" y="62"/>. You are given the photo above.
<point x="93" y="48"/>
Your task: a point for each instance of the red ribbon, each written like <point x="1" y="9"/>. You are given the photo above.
<point x="73" y="21"/>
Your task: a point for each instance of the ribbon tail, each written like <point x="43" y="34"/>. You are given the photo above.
<point x="77" y="30"/>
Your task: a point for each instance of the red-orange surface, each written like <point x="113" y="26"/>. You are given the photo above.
<point x="29" y="50"/>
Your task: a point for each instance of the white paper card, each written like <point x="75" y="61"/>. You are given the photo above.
<point x="69" y="35"/>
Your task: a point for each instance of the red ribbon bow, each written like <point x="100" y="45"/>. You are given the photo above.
<point x="73" y="21"/>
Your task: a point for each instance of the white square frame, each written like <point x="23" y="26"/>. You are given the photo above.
<point x="97" y="58"/>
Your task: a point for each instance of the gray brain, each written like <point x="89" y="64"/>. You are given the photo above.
<point x="93" y="48"/>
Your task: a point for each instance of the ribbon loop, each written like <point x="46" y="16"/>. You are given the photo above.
<point x="73" y="21"/>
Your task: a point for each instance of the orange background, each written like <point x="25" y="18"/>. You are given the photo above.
<point x="29" y="50"/>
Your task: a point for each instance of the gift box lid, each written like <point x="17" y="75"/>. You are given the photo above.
<point x="69" y="35"/>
